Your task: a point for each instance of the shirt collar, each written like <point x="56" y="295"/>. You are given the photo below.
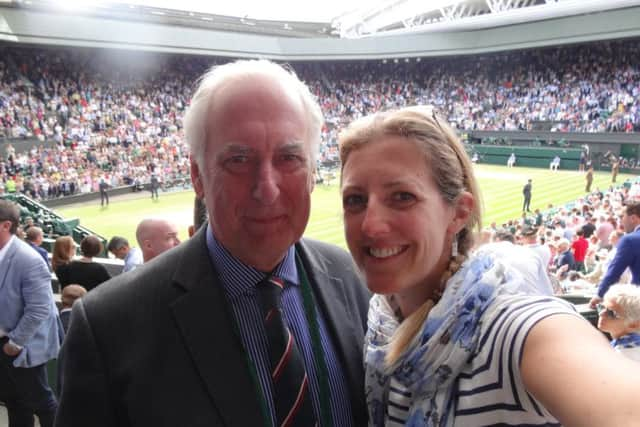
<point x="239" y="278"/>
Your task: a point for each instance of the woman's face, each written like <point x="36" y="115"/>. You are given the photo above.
<point x="611" y="319"/>
<point x="398" y="227"/>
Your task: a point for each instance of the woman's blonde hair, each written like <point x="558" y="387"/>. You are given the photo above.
<point x="62" y="249"/>
<point x="451" y="170"/>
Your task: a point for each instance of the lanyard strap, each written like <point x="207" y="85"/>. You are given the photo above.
<point x="322" y="372"/>
<point x="253" y="372"/>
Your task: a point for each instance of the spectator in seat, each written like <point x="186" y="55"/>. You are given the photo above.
<point x="70" y="294"/>
<point x="619" y="316"/>
<point x="119" y="247"/>
<point x="580" y="246"/>
<point x="34" y="237"/>
<point x="84" y="272"/>
<point x="155" y="236"/>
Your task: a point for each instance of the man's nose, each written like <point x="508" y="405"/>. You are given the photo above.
<point x="267" y="185"/>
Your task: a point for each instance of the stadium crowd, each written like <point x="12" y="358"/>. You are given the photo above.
<point x="122" y="121"/>
<point x="577" y="241"/>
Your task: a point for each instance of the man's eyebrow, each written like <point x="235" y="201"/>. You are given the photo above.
<point x="233" y="148"/>
<point x="291" y="146"/>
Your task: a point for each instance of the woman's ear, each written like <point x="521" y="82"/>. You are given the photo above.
<point x="463" y="208"/>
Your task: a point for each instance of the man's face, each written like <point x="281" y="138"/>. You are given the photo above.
<point x="630" y="222"/>
<point x="164" y="237"/>
<point x="121" y="252"/>
<point x="256" y="175"/>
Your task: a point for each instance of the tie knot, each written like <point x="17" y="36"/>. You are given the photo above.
<point x="275" y="282"/>
<point x="270" y="292"/>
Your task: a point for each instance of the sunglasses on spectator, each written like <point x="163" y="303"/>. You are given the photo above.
<point x="607" y="311"/>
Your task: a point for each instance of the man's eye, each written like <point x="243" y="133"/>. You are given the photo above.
<point x="237" y="163"/>
<point x="291" y="158"/>
<point x="238" y="159"/>
<point x="289" y="162"/>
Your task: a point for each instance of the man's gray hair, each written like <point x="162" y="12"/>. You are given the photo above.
<point x="196" y="118"/>
<point x="628" y="298"/>
<point x="116" y="243"/>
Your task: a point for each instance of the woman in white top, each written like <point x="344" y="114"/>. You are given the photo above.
<point x="456" y="340"/>
<point x="619" y="315"/>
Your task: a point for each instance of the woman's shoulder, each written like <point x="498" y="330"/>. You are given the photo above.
<point x="526" y="310"/>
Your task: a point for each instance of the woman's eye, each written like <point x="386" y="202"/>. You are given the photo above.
<point x="353" y="201"/>
<point x="403" y="196"/>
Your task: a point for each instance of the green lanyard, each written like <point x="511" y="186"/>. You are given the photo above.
<point x="322" y="372"/>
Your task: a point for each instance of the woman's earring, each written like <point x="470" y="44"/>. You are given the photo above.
<point x="454" y="246"/>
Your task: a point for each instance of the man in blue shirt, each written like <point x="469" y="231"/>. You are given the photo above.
<point x="627" y="253"/>
<point x="119" y="247"/>
<point x="187" y="331"/>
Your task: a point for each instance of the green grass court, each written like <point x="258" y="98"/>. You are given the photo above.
<point x="501" y="190"/>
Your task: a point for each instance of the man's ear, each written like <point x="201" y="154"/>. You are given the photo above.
<point x="463" y="208"/>
<point x="196" y="179"/>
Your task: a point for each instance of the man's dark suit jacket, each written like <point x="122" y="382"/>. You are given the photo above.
<point x="156" y="346"/>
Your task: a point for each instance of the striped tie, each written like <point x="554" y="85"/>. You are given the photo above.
<point x="291" y="395"/>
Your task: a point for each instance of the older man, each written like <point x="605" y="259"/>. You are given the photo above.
<point x="30" y="329"/>
<point x="155" y="236"/>
<point x="245" y="324"/>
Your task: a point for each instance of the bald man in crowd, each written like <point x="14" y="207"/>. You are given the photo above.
<point x="155" y="236"/>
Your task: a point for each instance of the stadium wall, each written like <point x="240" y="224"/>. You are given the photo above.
<point x="33" y="27"/>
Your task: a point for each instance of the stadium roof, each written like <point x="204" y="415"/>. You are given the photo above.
<point x="332" y="18"/>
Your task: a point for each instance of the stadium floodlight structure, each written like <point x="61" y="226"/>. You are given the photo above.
<point x="396" y="17"/>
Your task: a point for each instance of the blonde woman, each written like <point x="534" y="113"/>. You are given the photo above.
<point x="619" y="315"/>
<point x="455" y="340"/>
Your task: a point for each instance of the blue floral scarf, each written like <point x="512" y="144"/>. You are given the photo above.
<point x="631" y="340"/>
<point x="436" y="356"/>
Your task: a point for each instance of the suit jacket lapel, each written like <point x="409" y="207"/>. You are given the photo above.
<point x="337" y="313"/>
<point x="6" y="262"/>
<point x="208" y="329"/>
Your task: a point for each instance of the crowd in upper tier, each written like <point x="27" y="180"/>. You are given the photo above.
<point x="117" y="115"/>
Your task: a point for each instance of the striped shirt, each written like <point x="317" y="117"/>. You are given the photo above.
<point x="239" y="281"/>
<point x="490" y="391"/>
